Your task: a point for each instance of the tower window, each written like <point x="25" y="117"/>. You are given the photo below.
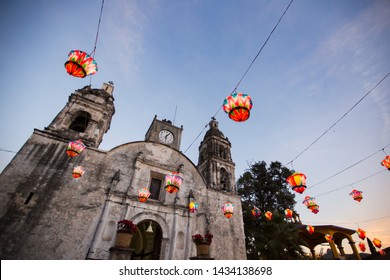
<point x="155" y="188"/>
<point x="81" y="122"/>
<point x="223" y="178"/>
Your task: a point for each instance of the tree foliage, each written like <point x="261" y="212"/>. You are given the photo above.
<point x="267" y="189"/>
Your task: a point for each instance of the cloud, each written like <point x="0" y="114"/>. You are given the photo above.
<point x="125" y="24"/>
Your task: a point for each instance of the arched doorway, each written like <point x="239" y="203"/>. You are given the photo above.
<point x="147" y="241"/>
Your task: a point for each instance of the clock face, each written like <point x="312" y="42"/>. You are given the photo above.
<point x="166" y="136"/>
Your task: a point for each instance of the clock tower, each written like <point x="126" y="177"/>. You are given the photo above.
<point x="164" y="132"/>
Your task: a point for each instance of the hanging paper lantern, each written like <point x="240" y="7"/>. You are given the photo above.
<point x="315" y="209"/>
<point x="78" y="171"/>
<point x="361" y="233"/>
<point x="357" y="195"/>
<point x="386" y="162"/>
<point x="297" y="182"/>
<point x="75" y="148"/>
<point x="310" y="229"/>
<point x="328" y="237"/>
<point x="193" y="206"/>
<point x="238" y="106"/>
<point x="173" y="183"/>
<point x="80" y="64"/>
<point x="382" y="252"/>
<point x="311" y="204"/>
<point x="288" y="213"/>
<point x="377" y="243"/>
<point x="268" y="215"/>
<point x="143" y="194"/>
<point x="256" y="212"/>
<point x="362" y="247"/>
<point x="228" y="209"/>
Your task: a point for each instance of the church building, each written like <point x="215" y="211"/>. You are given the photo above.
<point x="46" y="213"/>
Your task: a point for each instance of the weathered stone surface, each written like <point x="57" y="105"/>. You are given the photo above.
<point x="47" y="214"/>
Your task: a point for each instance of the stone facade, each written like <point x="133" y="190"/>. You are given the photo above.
<point x="47" y="214"/>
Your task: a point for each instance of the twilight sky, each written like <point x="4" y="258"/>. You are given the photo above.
<point x="162" y="55"/>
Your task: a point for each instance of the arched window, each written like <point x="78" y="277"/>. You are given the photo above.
<point x="81" y="121"/>
<point x="223" y="178"/>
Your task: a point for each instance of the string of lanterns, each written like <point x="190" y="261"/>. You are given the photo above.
<point x="237" y="106"/>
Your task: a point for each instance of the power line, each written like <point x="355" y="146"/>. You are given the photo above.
<point x="372" y="175"/>
<point x="326" y="131"/>
<point x="374" y="219"/>
<point x="247" y="70"/>
<point x="262" y="47"/>
<point x="345" y="169"/>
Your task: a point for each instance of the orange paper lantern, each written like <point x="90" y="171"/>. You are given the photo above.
<point x="386" y="162"/>
<point x="361" y="233"/>
<point x="377" y="243"/>
<point x="310" y="229"/>
<point x="288" y="213"/>
<point x="328" y="237"/>
<point x="297" y="182"/>
<point x="238" y="106"/>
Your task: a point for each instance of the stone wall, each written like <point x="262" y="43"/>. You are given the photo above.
<point x="69" y="218"/>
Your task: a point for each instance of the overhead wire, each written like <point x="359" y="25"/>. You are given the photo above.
<point x="334" y="124"/>
<point x="365" y="178"/>
<point x="92" y="54"/>
<point x="247" y="70"/>
<point x="345" y="169"/>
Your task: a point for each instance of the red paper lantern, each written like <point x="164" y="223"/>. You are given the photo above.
<point x="362" y="247"/>
<point x="80" y="64"/>
<point x="238" y="106"/>
<point x="361" y="233"/>
<point x="288" y="213"/>
<point x="315" y="209"/>
<point x="75" y="148"/>
<point x="357" y="195"/>
<point x="173" y="183"/>
<point x="256" y="212"/>
<point x="310" y="229"/>
<point x="386" y="162"/>
<point x="297" y="182"/>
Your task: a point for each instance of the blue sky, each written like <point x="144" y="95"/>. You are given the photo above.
<point x="323" y="57"/>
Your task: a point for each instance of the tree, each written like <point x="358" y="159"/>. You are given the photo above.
<point x="267" y="189"/>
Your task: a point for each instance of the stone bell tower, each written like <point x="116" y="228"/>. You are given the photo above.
<point x="215" y="161"/>
<point x="87" y="115"/>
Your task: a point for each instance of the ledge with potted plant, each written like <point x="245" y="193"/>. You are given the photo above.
<point x="202" y="244"/>
<point x="124" y="233"/>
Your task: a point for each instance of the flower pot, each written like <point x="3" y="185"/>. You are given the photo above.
<point x="123" y="239"/>
<point x="202" y="250"/>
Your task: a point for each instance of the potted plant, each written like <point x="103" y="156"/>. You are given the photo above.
<point x="202" y="244"/>
<point x="124" y="233"/>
